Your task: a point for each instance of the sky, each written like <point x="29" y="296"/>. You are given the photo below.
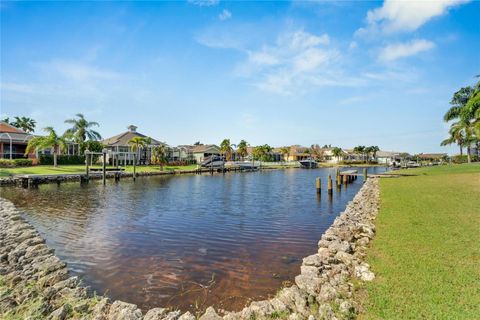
<point x="285" y="72"/>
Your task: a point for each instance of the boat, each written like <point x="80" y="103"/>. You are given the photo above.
<point x="247" y="165"/>
<point x="213" y="162"/>
<point x="308" y="163"/>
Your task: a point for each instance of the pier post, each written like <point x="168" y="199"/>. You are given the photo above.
<point x="365" y="174"/>
<point x="87" y="169"/>
<point x="345" y="179"/>
<point x="134" y="166"/>
<point x="330" y="188"/>
<point x="318" y="185"/>
<point x="104" y="176"/>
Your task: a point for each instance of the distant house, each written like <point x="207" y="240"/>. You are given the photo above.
<point x="13" y="142"/>
<point x="122" y="149"/>
<point x="390" y="157"/>
<point x="203" y="151"/>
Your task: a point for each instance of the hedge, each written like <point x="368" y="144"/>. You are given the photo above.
<point x="47" y="159"/>
<point x="464" y="158"/>
<point x="7" y="163"/>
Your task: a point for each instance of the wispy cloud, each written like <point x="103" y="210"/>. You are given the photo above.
<point x="404" y="16"/>
<point x="79" y="71"/>
<point x="204" y="3"/>
<point x="401" y="50"/>
<point x="225" y="15"/>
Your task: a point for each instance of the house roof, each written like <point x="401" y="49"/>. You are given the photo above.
<point x="205" y="148"/>
<point x="7" y="132"/>
<point x="431" y="155"/>
<point x="121" y="140"/>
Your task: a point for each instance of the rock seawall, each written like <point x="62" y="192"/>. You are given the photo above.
<point x="35" y="284"/>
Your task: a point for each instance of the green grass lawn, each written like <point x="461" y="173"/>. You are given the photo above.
<point x="426" y="255"/>
<point x="68" y="169"/>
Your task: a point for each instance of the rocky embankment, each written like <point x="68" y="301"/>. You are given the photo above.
<point x="35" y="284"/>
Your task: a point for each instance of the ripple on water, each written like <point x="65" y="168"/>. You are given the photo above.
<point x="186" y="241"/>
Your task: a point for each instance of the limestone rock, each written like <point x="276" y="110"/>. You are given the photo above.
<point x="120" y="310"/>
<point x="155" y="314"/>
<point x="186" y="316"/>
<point x="210" y="314"/>
<point x="363" y="272"/>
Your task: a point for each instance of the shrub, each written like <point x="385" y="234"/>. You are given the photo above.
<point x="47" y="159"/>
<point x="7" y="163"/>
<point x="463" y="158"/>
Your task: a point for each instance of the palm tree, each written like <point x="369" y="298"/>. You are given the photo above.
<point x="374" y="150"/>
<point x="455" y="137"/>
<point x="136" y="144"/>
<point x="337" y="152"/>
<point x="24" y="123"/>
<point x="160" y="155"/>
<point x="360" y="150"/>
<point x="52" y="140"/>
<point x="242" y="149"/>
<point x="285" y="151"/>
<point x="81" y="129"/>
<point x="226" y="149"/>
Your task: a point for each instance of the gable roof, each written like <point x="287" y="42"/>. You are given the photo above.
<point x="205" y="148"/>
<point x="121" y="140"/>
<point x="6" y="127"/>
<point x="7" y="132"/>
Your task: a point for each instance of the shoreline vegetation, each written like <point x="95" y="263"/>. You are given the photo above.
<point x="426" y="255"/>
<point x="80" y="169"/>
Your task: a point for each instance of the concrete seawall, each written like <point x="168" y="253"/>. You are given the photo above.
<point x="35" y="283"/>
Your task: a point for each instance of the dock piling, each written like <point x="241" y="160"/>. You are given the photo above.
<point x="330" y="188"/>
<point x="318" y="184"/>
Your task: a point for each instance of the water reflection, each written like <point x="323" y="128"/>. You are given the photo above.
<point x="187" y="241"/>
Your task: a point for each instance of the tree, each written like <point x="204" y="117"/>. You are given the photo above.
<point x="337" y="152"/>
<point x="6" y="120"/>
<point x="52" y="140"/>
<point x="360" y="150"/>
<point x="136" y="144"/>
<point x="464" y="117"/>
<point x="160" y="155"/>
<point x="285" y="151"/>
<point x="81" y="129"/>
<point x="197" y="143"/>
<point x="317" y="152"/>
<point x="24" y="123"/>
<point x="226" y="149"/>
<point x="262" y="153"/>
<point x="374" y="150"/>
<point x="242" y="149"/>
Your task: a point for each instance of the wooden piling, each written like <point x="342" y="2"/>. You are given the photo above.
<point x="365" y="174"/>
<point x="104" y="176"/>
<point x="330" y="188"/>
<point x="134" y="166"/>
<point x="345" y="179"/>
<point x="318" y="184"/>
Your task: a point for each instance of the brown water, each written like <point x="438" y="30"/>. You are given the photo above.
<point x="186" y="241"/>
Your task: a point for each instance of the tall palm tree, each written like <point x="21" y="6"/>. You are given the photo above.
<point x="285" y="151"/>
<point x="374" y="150"/>
<point x="136" y="144"/>
<point x="52" y="140"/>
<point x="242" y="149"/>
<point x="465" y="111"/>
<point x="24" y="123"/>
<point x="81" y="129"/>
<point x="160" y="155"/>
<point x="360" y="150"/>
<point x="337" y="152"/>
<point x="226" y="149"/>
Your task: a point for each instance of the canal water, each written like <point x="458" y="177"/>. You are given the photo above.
<point x="187" y="241"/>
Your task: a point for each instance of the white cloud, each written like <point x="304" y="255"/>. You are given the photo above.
<point x="78" y="71"/>
<point x="225" y="15"/>
<point x="204" y="3"/>
<point x="403" y="16"/>
<point x="352" y="45"/>
<point x="400" y="50"/>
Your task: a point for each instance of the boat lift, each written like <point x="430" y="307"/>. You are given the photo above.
<point x="115" y="162"/>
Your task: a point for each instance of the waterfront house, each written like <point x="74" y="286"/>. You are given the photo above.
<point x="202" y="151"/>
<point x="390" y="157"/>
<point x="432" y="157"/>
<point x="120" y="148"/>
<point x="13" y="142"/>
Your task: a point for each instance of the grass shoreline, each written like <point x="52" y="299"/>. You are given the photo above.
<point x="78" y="169"/>
<point x="426" y="254"/>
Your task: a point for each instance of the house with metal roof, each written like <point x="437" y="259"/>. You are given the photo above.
<point x="121" y="150"/>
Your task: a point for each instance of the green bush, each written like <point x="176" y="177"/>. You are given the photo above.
<point x="7" y="163"/>
<point x="47" y="159"/>
<point x="464" y="158"/>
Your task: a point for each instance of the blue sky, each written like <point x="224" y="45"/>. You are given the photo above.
<point x="340" y="73"/>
